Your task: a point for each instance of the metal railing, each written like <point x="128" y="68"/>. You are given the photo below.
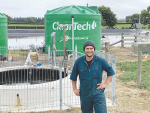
<point x="110" y="90"/>
<point x="36" y="81"/>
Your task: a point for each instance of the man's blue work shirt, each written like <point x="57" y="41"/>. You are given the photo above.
<point x="90" y="77"/>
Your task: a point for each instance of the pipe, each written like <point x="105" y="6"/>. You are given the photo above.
<point x="28" y="60"/>
<point x="53" y="36"/>
<point x="72" y="32"/>
<point x="73" y="36"/>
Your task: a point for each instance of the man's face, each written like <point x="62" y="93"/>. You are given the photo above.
<point x="89" y="51"/>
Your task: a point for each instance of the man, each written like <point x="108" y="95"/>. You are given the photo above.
<point x="90" y="68"/>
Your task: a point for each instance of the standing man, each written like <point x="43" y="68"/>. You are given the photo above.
<point x="90" y="69"/>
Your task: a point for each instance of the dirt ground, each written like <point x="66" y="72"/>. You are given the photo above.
<point x="129" y="98"/>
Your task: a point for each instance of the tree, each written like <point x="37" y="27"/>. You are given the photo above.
<point x="121" y="20"/>
<point x="9" y="19"/>
<point x="29" y="20"/>
<point x="135" y="18"/>
<point x="148" y="9"/>
<point x="103" y="22"/>
<point x="128" y="19"/>
<point x="20" y="19"/>
<point x="42" y="20"/>
<point x="145" y="17"/>
<point x="37" y="20"/>
<point x="108" y="17"/>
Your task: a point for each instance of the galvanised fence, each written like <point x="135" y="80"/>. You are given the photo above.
<point x="34" y="81"/>
<point x="132" y="80"/>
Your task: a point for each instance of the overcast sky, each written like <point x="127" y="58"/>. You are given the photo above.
<point x="37" y="8"/>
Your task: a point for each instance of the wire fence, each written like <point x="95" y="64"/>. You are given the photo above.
<point x="134" y="65"/>
<point x="32" y="80"/>
<point x="132" y="80"/>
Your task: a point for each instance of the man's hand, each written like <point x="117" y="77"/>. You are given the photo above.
<point x="102" y="85"/>
<point x="77" y="92"/>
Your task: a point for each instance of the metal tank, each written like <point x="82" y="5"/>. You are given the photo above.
<point x="3" y="35"/>
<point x="86" y="22"/>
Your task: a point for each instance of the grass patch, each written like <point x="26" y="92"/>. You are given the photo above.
<point x="120" y="26"/>
<point x="22" y="53"/>
<point x="25" y="25"/>
<point x="25" y="29"/>
<point x="130" y="72"/>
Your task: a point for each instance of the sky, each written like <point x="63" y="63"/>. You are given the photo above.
<point x="37" y="8"/>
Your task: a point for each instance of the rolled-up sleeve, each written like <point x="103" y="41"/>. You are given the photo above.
<point x="108" y="68"/>
<point x="75" y="72"/>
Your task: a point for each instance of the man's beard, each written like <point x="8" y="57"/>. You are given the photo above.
<point x="89" y="55"/>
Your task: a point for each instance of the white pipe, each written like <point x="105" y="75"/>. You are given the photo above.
<point x="28" y="59"/>
<point x="53" y="36"/>
<point x="69" y="56"/>
<point x="73" y="37"/>
<point x="72" y="34"/>
<point x="54" y="57"/>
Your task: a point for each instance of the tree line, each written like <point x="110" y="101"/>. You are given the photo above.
<point x="108" y="18"/>
<point x="144" y="17"/>
<point x="29" y="20"/>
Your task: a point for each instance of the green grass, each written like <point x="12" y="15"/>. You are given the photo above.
<point x="130" y="73"/>
<point x="120" y="26"/>
<point x="25" y="25"/>
<point x="25" y="29"/>
<point x="22" y="53"/>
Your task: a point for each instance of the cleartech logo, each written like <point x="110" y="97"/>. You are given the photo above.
<point x="77" y="26"/>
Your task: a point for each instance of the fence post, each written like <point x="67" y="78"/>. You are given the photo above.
<point x="60" y="84"/>
<point x="136" y="35"/>
<point x="113" y="81"/>
<point x="54" y="57"/>
<point x="9" y="57"/>
<point x="139" y="68"/>
<point x="122" y="40"/>
<point x="106" y="47"/>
